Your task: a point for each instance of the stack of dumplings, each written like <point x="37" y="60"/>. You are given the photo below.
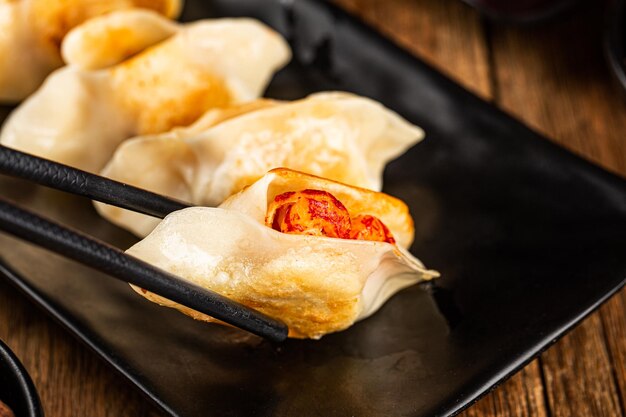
<point x="84" y="110"/>
<point x="290" y="219"/>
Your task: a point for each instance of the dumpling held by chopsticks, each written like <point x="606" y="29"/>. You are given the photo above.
<point x="84" y="110"/>
<point x="339" y="136"/>
<point x="315" y="253"/>
<point x="32" y="31"/>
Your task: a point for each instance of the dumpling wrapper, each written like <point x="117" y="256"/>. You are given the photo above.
<point x="316" y="285"/>
<point x="79" y="116"/>
<point x="340" y="136"/>
<point x="32" y="31"/>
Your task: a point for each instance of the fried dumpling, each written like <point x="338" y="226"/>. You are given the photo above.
<point x="315" y="253"/>
<point x="32" y="31"/>
<point x="339" y="136"/>
<point x="79" y="116"/>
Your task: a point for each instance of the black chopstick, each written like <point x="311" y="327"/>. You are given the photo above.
<point x="72" y="180"/>
<point x="103" y="257"/>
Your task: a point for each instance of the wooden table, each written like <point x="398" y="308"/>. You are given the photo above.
<point x="552" y="77"/>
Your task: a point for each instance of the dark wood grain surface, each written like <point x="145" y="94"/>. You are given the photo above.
<point x="554" y="78"/>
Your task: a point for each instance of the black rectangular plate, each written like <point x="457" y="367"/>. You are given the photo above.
<point x="529" y="239"/>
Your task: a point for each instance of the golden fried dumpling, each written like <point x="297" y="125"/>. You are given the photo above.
<point x="108" y="40"/>
<point x="32" y="32"/>
<point x="80" y="115"/>
<point x="339" y="136"/>
<point x="315" y="253"/>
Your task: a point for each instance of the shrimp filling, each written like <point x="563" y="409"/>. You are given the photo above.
<point x="319" y="213"/>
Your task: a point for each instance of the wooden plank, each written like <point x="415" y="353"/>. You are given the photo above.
<point x="578" y="374"/>
<point x="70" y="379"/>
<point x="445" y="33"/>
<point x="554" y="77"/>
<point x="613" y="316"/>
<point x="520" y="396"/>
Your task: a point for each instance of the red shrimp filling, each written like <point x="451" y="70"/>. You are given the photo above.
<point x="319" y="213"/>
